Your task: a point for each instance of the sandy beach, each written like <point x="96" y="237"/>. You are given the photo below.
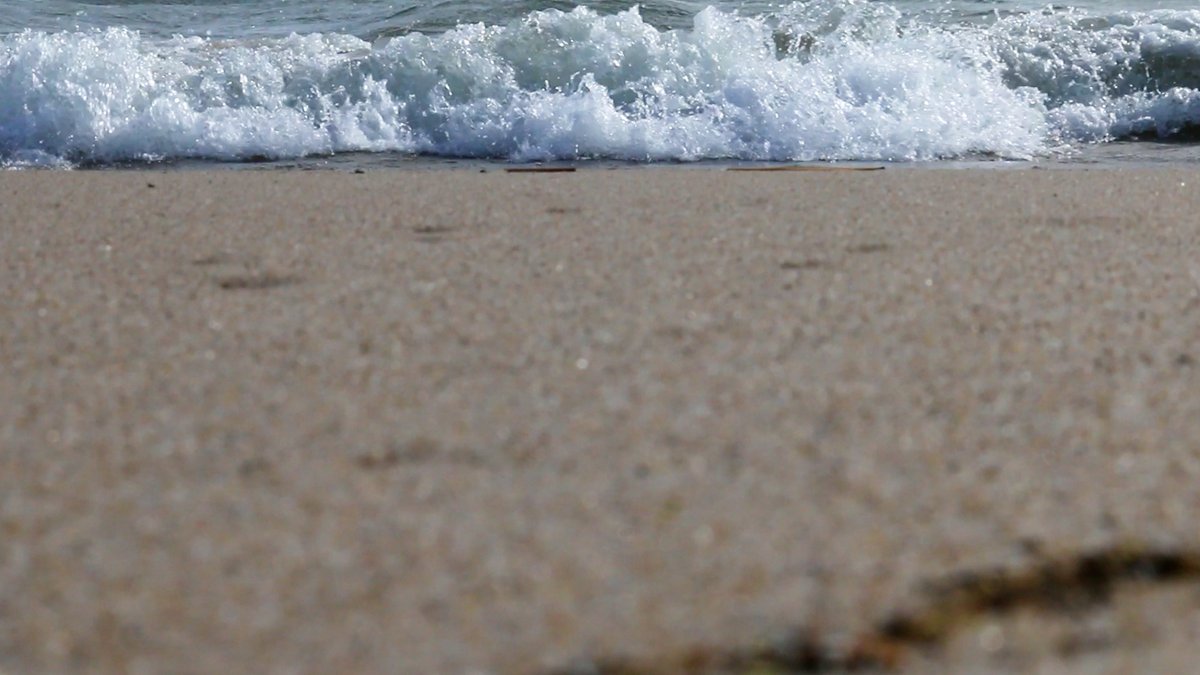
<point x="643" y="421"/>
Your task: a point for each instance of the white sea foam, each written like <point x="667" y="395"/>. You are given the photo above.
<point x="835" y="79"/>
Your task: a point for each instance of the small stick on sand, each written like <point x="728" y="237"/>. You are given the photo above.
<point x="805" y="167"/>
<point x="541" y="169"/>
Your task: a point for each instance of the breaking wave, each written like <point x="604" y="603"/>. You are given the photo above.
<point x="841" y="79"/>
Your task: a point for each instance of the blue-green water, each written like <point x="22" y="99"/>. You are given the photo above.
<point x="673" y="80"/>
<point x="370" y="19"/>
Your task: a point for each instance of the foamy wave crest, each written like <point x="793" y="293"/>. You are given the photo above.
<point x="1129" y="74"/>
<point x="833" y="79"/>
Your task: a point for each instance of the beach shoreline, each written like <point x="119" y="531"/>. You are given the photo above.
<point x="1137" y="155"/>
<point x="452" y="421"/>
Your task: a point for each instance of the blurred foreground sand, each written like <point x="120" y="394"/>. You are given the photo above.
<point x="445" y="422"/>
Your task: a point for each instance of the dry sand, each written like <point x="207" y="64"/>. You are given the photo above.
<point x="445" y="422"/>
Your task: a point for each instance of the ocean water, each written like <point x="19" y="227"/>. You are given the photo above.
<point x="117" y="81"/>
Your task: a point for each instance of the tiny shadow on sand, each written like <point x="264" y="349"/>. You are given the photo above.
<point x="1065" y="585"/>
<point x="806" y="264"/>
<point x="242" y="272"/>
<point x="255" y="281"/>
<point x="221" y="258"/>
<point x="432" y="229"/>
<point x="869" y="248"/>
<point x="419" y="450"/>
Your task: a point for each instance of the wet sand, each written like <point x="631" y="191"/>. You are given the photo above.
<point x="660" y="419"/>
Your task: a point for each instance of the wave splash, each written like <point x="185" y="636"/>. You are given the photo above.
<point x="836" y="79"/>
